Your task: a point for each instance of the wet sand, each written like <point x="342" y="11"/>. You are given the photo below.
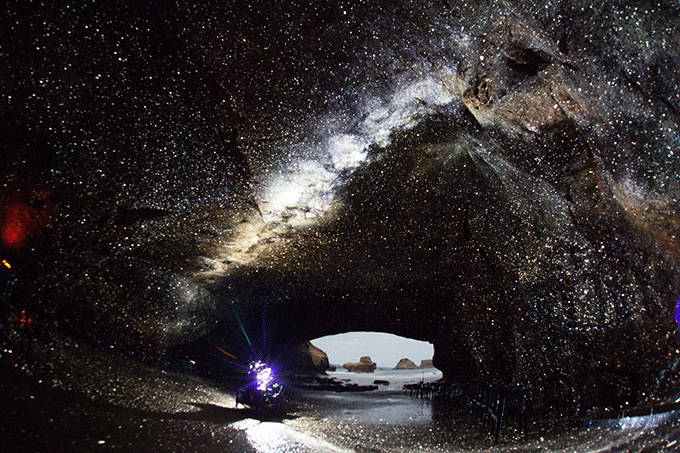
<point x="70" y="398"/>
<point x="387" y="420"/>
<point x="37" y="417"/>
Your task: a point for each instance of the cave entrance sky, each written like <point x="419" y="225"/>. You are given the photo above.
<point x="385" y="349"/>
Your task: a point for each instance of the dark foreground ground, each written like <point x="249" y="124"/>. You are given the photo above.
<point x="37" y="417"/>
<point x="79" y="400"/>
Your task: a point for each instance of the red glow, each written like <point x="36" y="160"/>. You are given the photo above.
<point x="25" y="215"/>
<point x="17" y="226"/>
<point x="26" y="320"/>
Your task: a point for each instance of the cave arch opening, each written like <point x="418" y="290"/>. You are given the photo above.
<point x="386" y="350"/>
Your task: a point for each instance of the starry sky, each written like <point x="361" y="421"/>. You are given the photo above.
<point x="343" y="160"/>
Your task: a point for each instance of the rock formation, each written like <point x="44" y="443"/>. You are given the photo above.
<point x="497" y="178"/>
<point x="406" y="364"/>
<point x="427" y="363"/>
<point x="306" y="358"/>
<point x="364" y="365"/>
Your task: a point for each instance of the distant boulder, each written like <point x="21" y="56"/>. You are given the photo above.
<point x="427" y="363"/>
<point x="306" y="358"/>
<point x="406" y="364"/>
<point x="365" y="365"/>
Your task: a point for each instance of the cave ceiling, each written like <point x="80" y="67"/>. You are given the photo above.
<point x="498" y="178"/>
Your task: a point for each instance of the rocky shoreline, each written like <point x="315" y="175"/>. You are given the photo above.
<point x="327" y="383"/>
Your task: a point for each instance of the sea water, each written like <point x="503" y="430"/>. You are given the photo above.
<point x="396" y="378"/>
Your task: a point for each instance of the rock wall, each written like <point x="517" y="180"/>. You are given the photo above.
<point x="497" y="178"/>
<point x="526" y="238"/>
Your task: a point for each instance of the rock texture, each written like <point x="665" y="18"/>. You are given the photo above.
<point x="306" y="358"/>
<point x="427" y="363"/>
<point x="497" y="178"/>
<point x="406" y="364"/>
<point x="364" y="365"/>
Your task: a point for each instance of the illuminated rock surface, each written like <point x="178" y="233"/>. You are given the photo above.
<point x="308" y="359"/>
<point x="497" y="178"/>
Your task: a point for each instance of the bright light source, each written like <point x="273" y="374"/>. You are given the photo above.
<point x="7" y="265"/>
<point x="264" y="377"/>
